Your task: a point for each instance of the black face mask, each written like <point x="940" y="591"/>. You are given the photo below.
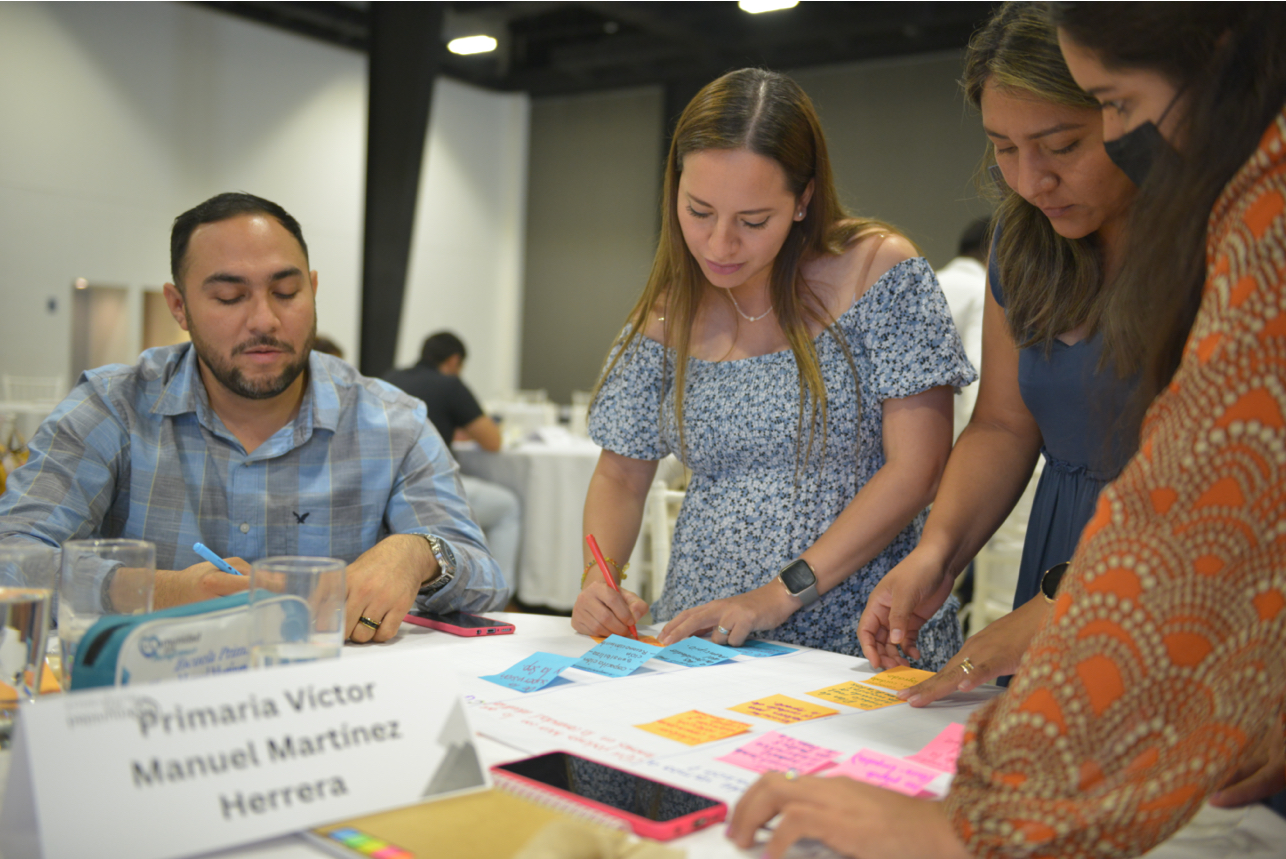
<point x="1136" y="150"/>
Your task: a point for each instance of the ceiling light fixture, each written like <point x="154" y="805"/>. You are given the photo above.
<point x="754" y="7"/>
<point x="471" y="45"/>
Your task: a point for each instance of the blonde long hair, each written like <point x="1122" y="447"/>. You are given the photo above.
<point x="770" y="115"/>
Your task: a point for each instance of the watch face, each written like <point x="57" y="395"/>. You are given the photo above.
<point x="798" y="576"/>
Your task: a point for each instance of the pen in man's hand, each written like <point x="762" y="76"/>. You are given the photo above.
<point x="204" y="551"/>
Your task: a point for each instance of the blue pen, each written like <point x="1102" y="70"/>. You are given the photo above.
<point x="204" y="551"/>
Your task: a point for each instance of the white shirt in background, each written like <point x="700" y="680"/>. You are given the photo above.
<point x="964" y="282"/>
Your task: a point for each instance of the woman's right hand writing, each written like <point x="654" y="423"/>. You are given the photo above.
<point x="600" y="610"/>
<point x="996" y="650"/>
<point x="904" y="600"/>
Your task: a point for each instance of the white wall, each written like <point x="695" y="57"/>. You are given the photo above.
<point x="466" y="255"/>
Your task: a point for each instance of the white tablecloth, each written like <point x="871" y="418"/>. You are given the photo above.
<point x="550" y="478"/>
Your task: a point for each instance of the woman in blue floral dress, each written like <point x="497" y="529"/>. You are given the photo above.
<point x="801" y="362"/>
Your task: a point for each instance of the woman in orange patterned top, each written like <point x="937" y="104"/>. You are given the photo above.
<point x="1159" y="677"/>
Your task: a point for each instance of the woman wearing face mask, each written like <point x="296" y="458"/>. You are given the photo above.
<point x="799" y="361"/>
<point x="1045" y="387"/>
<point x="1160" y="678"/>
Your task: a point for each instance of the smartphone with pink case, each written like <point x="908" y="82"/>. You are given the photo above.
<point x="612" y="796"/>
<point x="459" y="623"/>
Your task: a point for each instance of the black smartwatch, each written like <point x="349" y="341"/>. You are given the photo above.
<point x="800" y="581"/>
<point x="1049" y="581"/>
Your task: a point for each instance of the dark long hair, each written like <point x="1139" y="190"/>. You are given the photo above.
<point x="770" y="115"/>
<point x="1229" y="61"/>
<point x="1051" y="284"/>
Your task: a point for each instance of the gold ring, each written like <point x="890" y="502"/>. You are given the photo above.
<point x="967" y="665"/>
<point x="366" y="621"/>
<point x="723" y="631"/>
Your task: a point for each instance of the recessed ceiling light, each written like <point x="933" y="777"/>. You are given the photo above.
<point x="471" y="45"/>
<point x="754" y="7"/>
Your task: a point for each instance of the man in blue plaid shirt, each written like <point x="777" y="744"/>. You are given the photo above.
<point x="250" y="442"/>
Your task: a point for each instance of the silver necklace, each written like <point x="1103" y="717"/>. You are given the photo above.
<point x="743" y="313"/>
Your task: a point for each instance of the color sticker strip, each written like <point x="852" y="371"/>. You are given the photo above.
<point x="899" y="678"/>
<point x="696" y="652"/>
<point x="774" y="752"/>
<point x="885" y="771"/>
<point x="942" y="751"/>
<point x="760" y="649"/>
<point x="533" y="673"/>
<point x="852" y="694"/>
<point x="616" y="657"/>
<point x="694" y="728"/>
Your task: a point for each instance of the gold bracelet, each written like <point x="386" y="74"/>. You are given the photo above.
<point x="593" y="563"/>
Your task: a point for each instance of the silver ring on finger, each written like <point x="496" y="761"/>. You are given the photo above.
<point x="967" y="666"/>
<point x="723" y="630"/>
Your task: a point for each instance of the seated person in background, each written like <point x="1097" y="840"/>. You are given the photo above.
<point x="454" y="410"/>
<point x="249" y="441"/>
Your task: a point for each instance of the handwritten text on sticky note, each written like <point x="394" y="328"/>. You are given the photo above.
<point x="899" y="678"/>
<point x="942" y="751"/>
<point x="856" y="695"/>
<point x="535" y="672"/>
<point x="780" y="708"/>
<point x="694" y="727"/>
<point x="616" y="657"/>
<point x="695" y="652"/>
<point x="885" y="771"/>
<point x="774" y="752"/>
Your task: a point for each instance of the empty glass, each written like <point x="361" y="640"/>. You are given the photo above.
<point x="99" y="578"/>
<point x="296" y="610"/>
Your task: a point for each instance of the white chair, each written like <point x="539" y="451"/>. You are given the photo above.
<point x="995" y="569"/>
<point x="651" y="556"/>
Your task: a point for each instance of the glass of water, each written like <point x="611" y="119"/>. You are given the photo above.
<point x="296" y="610"/>
<point x="101" y="577"/>
<point x="28" y="576"/>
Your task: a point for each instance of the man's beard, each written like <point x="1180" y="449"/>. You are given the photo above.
<point x="235" y="381"/>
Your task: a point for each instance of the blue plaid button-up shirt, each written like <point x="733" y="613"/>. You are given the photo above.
<point x="136" y="451"/>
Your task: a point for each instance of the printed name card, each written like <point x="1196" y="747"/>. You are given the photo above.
<point x="694" y="728"/>
<point x="616" y="657"/>
<point x="885" y="771"/>
<point x="899" y="678"/>
<point x="535" y="672"/>
<point x="695" y="652"/>
<point x="774" y="752"/>
<point x="852" y="694"/>
<point x="181" y="767"/>
<point x="780" y="708"/>
<point x="942" y="752"/>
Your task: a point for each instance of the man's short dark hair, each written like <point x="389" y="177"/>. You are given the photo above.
<point x="441" y="346"/>
<point x="221" y="207"/>
<point x="971" y="240"/>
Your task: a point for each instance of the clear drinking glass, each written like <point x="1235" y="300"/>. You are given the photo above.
<point x="28" y="576"/>
<point x="101" y="577"/>
<point x="296" y="610"/>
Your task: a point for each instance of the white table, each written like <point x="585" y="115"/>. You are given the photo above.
<point x="1260" y="833"/>
<point x="550" y="478"/>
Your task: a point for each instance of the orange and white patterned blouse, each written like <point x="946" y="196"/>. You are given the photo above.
<point x="1163" y="663"/>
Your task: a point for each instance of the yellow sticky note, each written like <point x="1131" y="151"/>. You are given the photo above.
<point x="852" y="694"/>
<point x="646" y="639"/>
<point x="694" y="728"/>
<point x="899" y="678"/>
<point x="780" y="708"/>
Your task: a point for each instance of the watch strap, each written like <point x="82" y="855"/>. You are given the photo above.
<point x="446" y="565"/>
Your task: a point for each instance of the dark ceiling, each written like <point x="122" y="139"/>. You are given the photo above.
<point x="555" y="48"/>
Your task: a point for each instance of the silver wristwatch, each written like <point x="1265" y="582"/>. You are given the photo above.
<point x="800" y="581"/>
<point x="446" y="566"/>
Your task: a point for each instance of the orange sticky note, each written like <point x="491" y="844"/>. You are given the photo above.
<point x="780" y="708"/>
<point x="903" y="677"/>
<point x="852" y="694"/>
<point x="646" y="639"/>
<point x="694" y="728"/>
<point x="48" y="683"/>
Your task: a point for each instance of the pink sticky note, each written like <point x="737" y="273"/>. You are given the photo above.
<point x="774" y="752"/>
<point x="885" y="771"/>
<point x="942" y="752"/>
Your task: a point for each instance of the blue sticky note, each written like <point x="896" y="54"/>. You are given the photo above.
<point x="617" y="656"/>
<point x="695" y="652"/>
<point x="755" y="647"/>
<point x="535" y="672"/>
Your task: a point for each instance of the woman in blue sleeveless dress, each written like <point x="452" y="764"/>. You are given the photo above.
<point x="1044" y="389"/>
<point x="800" y="362"/>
